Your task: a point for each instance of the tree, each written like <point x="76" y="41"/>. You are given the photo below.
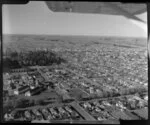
<point x="132" y="90"/>
<point x="31" y="102"/>
<point x="123" y="92"/>
<point x="105" y="94"/>
<point x="22" y="103"/>
<point x="38" y="102"/>
<point x="127" y="91"/>
<point x="14" y="55"/>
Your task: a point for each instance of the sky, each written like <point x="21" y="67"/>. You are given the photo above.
<point x="36" y="18"/>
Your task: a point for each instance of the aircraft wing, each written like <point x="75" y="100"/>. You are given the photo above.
<point x="129" y="10"/>
<point x="95" y="7"/>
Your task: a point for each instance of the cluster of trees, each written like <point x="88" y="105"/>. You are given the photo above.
<point x="133" y="90"/>
<point x="112" y="93"/>
<point x="20" y="103"/>
<point x="32" y="58"/>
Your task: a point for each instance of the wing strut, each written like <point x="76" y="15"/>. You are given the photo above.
<point x="142" y="24"/>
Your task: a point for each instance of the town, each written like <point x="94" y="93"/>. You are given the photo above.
<point x="98" y="83"/>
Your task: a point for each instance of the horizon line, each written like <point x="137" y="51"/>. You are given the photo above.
<point x="77" y="35"/>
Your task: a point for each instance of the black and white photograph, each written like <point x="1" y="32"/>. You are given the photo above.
<point x="75" y="62"/>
